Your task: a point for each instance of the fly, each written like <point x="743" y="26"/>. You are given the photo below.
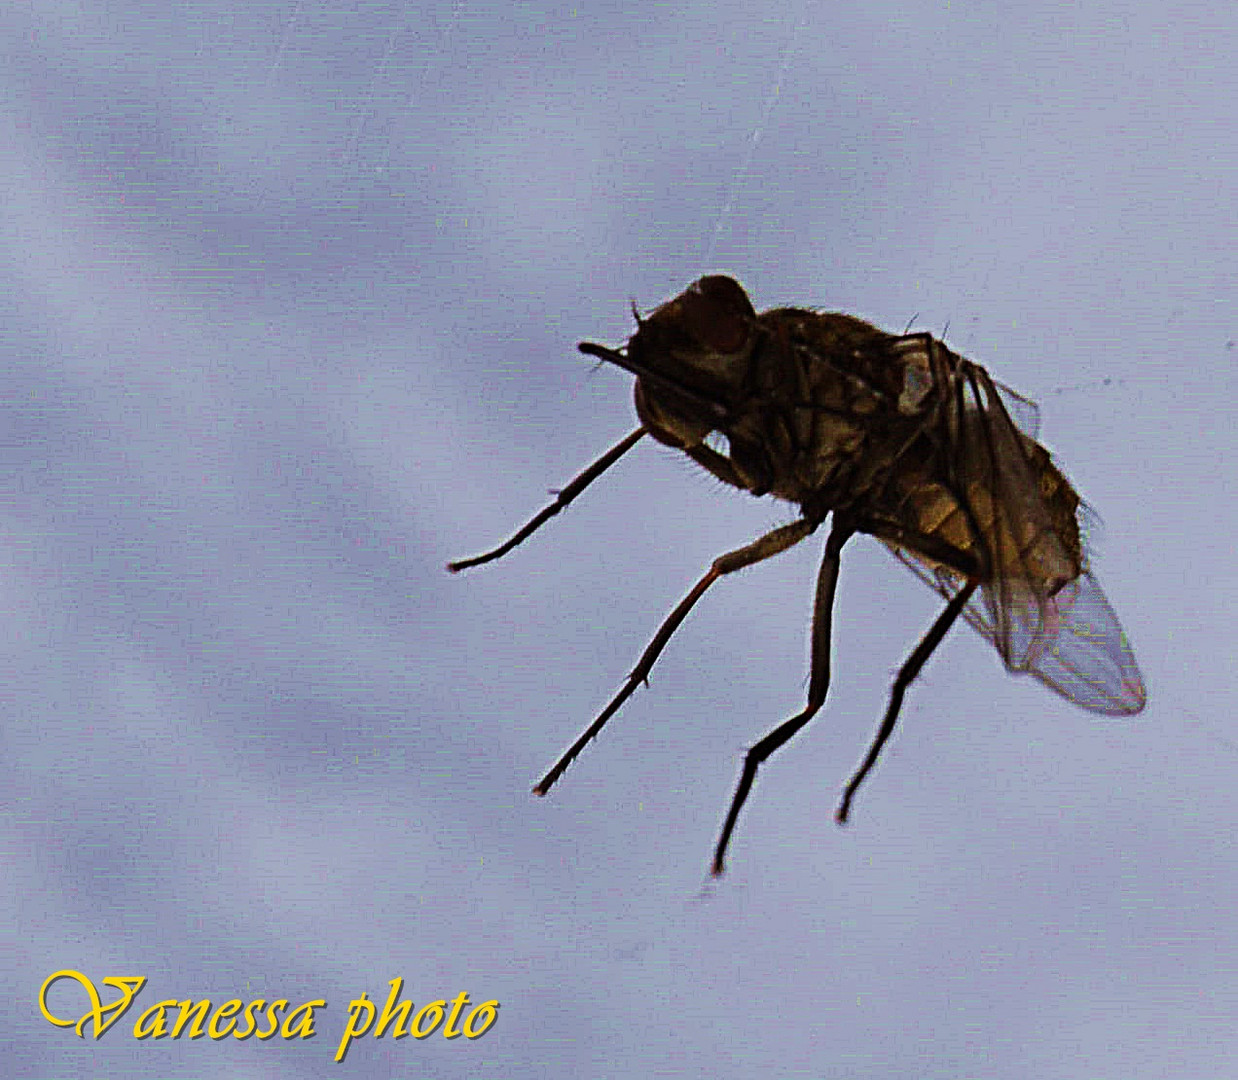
<point x="890" y="435"/>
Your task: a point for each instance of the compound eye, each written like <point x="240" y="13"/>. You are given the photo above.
<point x="718" y="314"/>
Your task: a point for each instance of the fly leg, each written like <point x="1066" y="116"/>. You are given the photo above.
<point x="818" y="684"/>
<point x="908" y="672"/>
<point x="721" y="466"/>
<point x="562" y="499"/>
<point x="772" y="543"/>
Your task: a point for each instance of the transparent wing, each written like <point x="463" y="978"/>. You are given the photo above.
<point x="1023" y="411"/>
<point x="1083" y="653"/>
<point x="1039" y="605"/>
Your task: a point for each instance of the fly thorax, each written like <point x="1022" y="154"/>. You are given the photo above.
<point x="912" y="353"/>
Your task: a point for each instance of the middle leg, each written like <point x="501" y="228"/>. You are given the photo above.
<point x="818" y="685"/>
<point x="766" y="547"/>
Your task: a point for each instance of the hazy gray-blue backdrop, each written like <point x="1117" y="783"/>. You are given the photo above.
<point x="291" y="294"/>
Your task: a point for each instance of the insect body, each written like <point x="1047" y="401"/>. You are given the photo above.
<point x="890" y="435"/>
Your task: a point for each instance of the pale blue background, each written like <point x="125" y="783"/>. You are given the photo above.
<point x="291" y="294"/>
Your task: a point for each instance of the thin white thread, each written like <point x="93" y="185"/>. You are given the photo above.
<point x="754" y="140"/>
<point x="367" y="106"/>
<point x="366" y="110"/>
<point x="276" y="63"/>
<point x="282" y="47"/>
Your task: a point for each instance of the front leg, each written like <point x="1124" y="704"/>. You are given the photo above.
<point x="719" y="464"/>
<point x="728" y="470"/>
